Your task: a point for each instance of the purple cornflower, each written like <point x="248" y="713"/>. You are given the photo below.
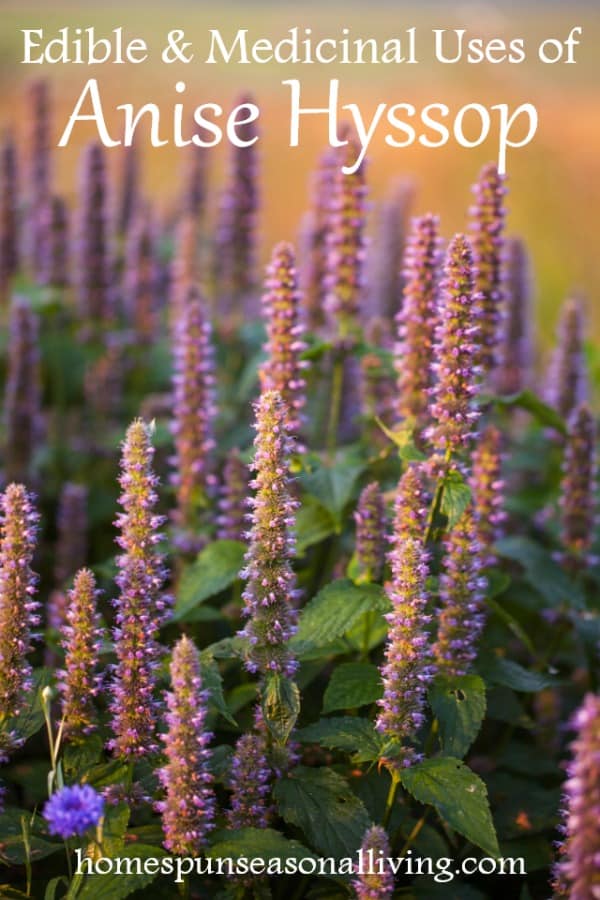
<point x="486" y="230"/>
<point x="140" y="281"/>
<point x="72" y="532"/>
<point x="140" y="605"/>
<point x="406" y="671"/>
<point x="453" y="411"/>
<point x="235" y="250"/>
<point x="377" y="884"/>
<point x="487" y="488"/>
<point x="92" y="258"/>
<point x="188" y="810"/>
<point x="462" y="588"/>
<point x="370" y="519"/>
<point x="514" y="371"/>
<point x="54" y="245"/>
<point x="578" y="502"/>
<point x="39" y="142"/>
<point x="22" y="399"/>
<point x="18" y="608"/>
<point x="232" y="499"/>
<point x="71" y="811"/>
<point x="79" y="680"/>
<point x="346" y="243"/>
<point x="250" y="782"/>
<point x="9" y="215"/>
<point x="388" y="277"/>
<point x="270" y="592"/>
<point x="313" y="240"/>
<point x="129" y="189"/>
<point x="283" y="368"/>
<point x="416" y="321"/>
<point x="193" y="411"/>
<point x="577" y="874"/>
<point x="567" y="378"/>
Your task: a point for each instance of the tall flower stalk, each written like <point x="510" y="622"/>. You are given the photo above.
<point x="487" y="487"/>
<point x="389" y="247"/>
<point x="72" y="532"/>
<point x="79" y="681"/>
<point x="371" y="536"/>
<point x="283" y="368"/>
<point x="313" y="240"/>
<point x="374" y="880"/>
<point x="487" y="226"/>
<point x="416" y="321"/>
<point x="140" y="281"/>
<point x="251" y="777"/>
<point x="232" y="498"/>
<point x="462" y="589"/>
<point x="9" y="215"/>
<point x="407" y="669"/>
<point x="18" y="606"/>
<point x="514" y="372"/>
<point x="22" y="399"/>
<point x="93" y="269"/>
<point x="567" y="378"/>
<point x="189" y="807"/>
<point x="54" y="253"/>
<point x="270" y="593"/>
<point x="39" y="142"/>
<point x="578" y="492"/>
<point x="140" y="605"/>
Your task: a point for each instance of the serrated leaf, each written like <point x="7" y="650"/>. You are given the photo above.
<point x="257" y="843"/>
<point x="349" y="733"/>
<point x="459" y="706"/>
<point x="335" y="609"/>
<point x="320" y="802"/>
<point x="511" y="674"/>
<point x="280" y="706"/>
<point x="217" y="566"/>
<point x="458" y="795"/>
<point x="456" y="496"/>
<point x="213" y="683"/>
<point x="116" y="887"/>
<point x="352" y="685"/>
<point x="333" y="484"/>
<point x="403" y="438"/>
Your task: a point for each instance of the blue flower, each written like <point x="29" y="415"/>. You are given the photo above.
<point x="73" y="810"/>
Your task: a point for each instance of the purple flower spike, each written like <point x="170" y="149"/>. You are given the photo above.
<point x="283" y="369"/>
<point x="140" y="604"/>
<point x="54" y="253"/>
<point x="453" y="411"/>
<point x="370" y="518"/>
<point x="346" y="245"/>
<point x="94" y="296"/>
<point x="375" y="851"/>
<point x="271" y="593"/>
<point x="407" y="670"/>
<point x="72" y="528"/>
<point x="576" y="874"/>
<point x="487" y="488"/>
<point x="195" y="182"/>
<point x="389" y="279"/>
<point x="193" y="411"/>
<point x="462" y="588"/>
<point x="18" y="608"/>
<point x="39" y="141"/>
<point x="487" y="226"/>
<point x="73" y="810"/>
<point x="188" y="810"/>
<point x="232" y="500"/>
<point x="129" y="189"/>
<point x="417" y="321"/>
<point x="578" y="500"/>
<point x="516" y="351"/>
<point x="185" y="267"/>
<point x="9" y="215"/>
<point x="250" y="781"/>
<point x="22" y="403"/>
<point x="141" y="281"/>
<point x="79" y="682"/>
<point x="567" y="379"/>
<point x="235" y="251"/>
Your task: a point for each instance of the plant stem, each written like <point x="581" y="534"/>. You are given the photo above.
<point x="335" y="408"/>
<point x="415" y="832"/>
<point x="391" y="797"/>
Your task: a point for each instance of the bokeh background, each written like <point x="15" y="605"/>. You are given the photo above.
<point x="554" y="182"/>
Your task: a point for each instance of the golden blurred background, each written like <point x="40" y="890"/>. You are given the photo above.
<point x="554" y="182"/>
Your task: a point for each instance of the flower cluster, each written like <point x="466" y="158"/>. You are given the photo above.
<point x="93" y="262"/>
<point x="370" y="519"/>
<point x="232" y="498"/>
<point x="140" y="281"/>
<point x="313" y="240"/>
<point x="567" y="378"/>
<point x="72" y="532"/>
<point x="22" y="399"/>
<point x="54" y="252"/>
<point x="578" y="499"/>
<point x="390" y="245"/>
<point x="250" y="782"/>
<point x="9" y="222"/>
<point x="514" y="371"/>
<point x="487" y="488"/>
<point x="379" y="883"/>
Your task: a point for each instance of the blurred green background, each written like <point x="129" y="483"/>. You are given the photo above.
<point x="554" y="182"/>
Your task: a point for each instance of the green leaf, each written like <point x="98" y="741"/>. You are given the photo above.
<point x="257" y="843"/>
<point x="314" y="523"/>
<point x="113" y="886"/>
<point x="334" y="484"/>
<point x="216" y="567"/>
<point x="320" y="802"/>
<point x="542" y="572"/>
<point x="349" y="733"/>
<point x="529" y="401"/>
<point x="31" y="718"/>
<point x="78" y="758"/>
<point x="51" y="887"/>
<point x="213" y="683"/>
<point x="116" y="820"/>
<point x="12" y="849"/>
<point x="280" y="706"/>
<point x="352" y="685"/>
<point x="456" y="496"/>
<point x="458" y="795"/>
<point x="403" y="438"/>
<point x="459" y="705"/>
<point x="335" y="609"/>
<point x="511" y="674"/>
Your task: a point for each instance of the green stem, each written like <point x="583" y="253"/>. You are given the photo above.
<point x="391" y="798"/>
<point x="414" y="833"/>
<point x="335" y="408"/>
